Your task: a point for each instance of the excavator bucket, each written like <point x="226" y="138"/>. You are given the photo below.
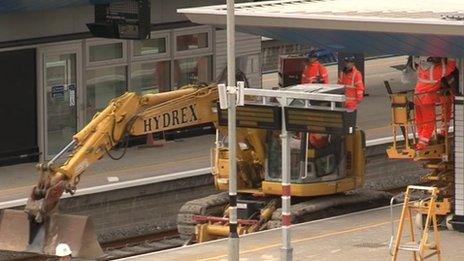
<point x="18" y="234"/>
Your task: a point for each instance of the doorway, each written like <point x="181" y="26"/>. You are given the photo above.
<point x="18" y="107"/>
<point x="61" y="90"/>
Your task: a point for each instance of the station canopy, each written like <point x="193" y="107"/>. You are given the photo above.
<point x="415" y="27"/>
<point x="17" y="6"/>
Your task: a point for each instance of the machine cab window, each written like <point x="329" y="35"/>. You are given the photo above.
<point x="313" y="157"/>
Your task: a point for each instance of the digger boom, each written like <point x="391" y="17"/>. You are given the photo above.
<point x="40" y="228"/>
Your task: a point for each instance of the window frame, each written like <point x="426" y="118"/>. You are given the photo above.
<point x="210" y="55"/>
<point x="86" y="69"/>
<point x="192" y="30"/>
<point x="158" y="34"/>
<point x="99" y="41"/>
<point x="139" y="62"/>
<point x="249" y="54"/>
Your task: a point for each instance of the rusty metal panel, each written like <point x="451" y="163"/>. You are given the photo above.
<point x="76" y="231"/>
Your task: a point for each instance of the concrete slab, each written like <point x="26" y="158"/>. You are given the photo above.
<point x="361" y="236"/>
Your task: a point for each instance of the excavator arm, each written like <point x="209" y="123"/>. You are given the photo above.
<point x="129" y="114"/>
<point x="40" y="228"/>
<point x="43" y="228"/>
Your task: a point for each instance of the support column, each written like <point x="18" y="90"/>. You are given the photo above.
<point x="458" y="219"/>
<point x="233" y="235"/>
<point x="286" y="250"/>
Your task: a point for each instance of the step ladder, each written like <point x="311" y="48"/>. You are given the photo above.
<point x="421" y="249"/>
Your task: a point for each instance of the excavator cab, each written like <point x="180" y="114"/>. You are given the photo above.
<point x="335" y="167"/>
<point x="327" y="151"/>
<point x="326" y="159"/>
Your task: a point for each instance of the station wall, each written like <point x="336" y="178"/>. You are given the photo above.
<point x="75" y="75"/>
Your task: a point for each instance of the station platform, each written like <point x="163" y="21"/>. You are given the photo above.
<point x="175" y="156"/>
<point x="193" y="153"/>
<point x="361" y="236"/>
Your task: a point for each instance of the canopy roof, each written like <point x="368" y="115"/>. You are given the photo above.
<point x="420" y="27"/>
<point x="14" y="6"/>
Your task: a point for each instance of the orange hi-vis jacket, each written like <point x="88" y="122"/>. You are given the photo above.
<point x="429" y="81"/>
<point x="354" y="87"/>
<point x="425" y="97"/>
<point x="313" y="71"/>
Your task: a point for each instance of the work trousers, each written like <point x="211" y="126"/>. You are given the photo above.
<point x="446" y="111"/>
<point x="424" y="106"/>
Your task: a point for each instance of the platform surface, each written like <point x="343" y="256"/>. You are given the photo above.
<point x="16" y="181"/>
<point x="362" y="236"/>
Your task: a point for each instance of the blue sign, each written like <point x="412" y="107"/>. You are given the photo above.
<point x="58" y="92"/>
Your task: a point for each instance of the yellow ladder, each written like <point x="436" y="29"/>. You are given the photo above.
<point x="421" y="249"/>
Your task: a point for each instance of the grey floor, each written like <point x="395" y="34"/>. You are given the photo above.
<point x="362" y="236"/>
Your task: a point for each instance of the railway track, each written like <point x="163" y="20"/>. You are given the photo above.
<point x="163" y="241"/>
<point x="129" y="246"/>
<point x="151" y="243"/>
<point x="141" y="245"/>
<point x="171" y="239"/>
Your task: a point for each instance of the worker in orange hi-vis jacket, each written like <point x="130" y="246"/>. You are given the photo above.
<point x="351" y="78"/>
<point x="430" y="73"/>
<point x="314" y="71"/>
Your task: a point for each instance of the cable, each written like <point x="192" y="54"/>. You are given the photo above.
<point x="126" y="144"/>
<point x="125" y="138"/>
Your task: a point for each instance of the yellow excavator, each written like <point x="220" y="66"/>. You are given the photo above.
<point x="335" y="167"/>
<point x="320" y="172"/>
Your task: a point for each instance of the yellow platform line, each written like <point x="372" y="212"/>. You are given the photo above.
<point x="303" y="240"/>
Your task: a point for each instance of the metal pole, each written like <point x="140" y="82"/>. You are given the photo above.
<point x="63" y="151"/>
<point x="233" y="235"/>
<point x="461" y="74"/>
<point x="286" y="250"/>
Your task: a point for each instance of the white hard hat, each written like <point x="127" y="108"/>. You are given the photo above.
<point x="424" y="59"/>
<point x="63" y="249"/>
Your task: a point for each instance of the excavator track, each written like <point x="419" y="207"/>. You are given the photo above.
<point x="332" y="205"/>
<point x="305" y="210"/>
<point x="213" y="205"/>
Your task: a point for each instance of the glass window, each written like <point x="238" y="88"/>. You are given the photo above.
<point x="104" y="84"/>
<point x="275" y="155"/>
<point x="191" y="41"/>
<point x="150" y="47"/>
<point x="60" y="90"/>
<point x="104" y="52"/>
<point x="248" y="63"/>
<point x="150" y="77"/>
<point x="192" y="70"/>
